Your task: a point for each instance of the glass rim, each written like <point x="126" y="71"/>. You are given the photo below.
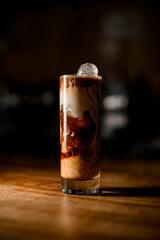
<point x="80" y="76"/>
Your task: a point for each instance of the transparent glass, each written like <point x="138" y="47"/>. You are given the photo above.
<point x="80" y="100"/>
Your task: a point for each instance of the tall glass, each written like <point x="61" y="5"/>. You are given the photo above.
<point x="80" y="100"/>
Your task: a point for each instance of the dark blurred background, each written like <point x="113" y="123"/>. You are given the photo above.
<point x="41" y="41"/>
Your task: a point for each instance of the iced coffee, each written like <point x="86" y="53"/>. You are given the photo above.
<point x="80" y="98"/>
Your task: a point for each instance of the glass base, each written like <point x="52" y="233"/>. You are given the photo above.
<point x="81" y="187"/>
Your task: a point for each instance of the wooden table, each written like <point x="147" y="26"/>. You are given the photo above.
<point x="33" y="207"/>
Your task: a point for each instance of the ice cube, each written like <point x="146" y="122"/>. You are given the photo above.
<point x="88" y="69"/>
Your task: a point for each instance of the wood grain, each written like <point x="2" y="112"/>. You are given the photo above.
<point x="32" y="205"/>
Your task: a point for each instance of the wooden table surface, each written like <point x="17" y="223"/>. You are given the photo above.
<point x="33" y="207"/>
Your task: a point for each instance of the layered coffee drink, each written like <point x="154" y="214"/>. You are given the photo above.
<point x="80" y="98"/>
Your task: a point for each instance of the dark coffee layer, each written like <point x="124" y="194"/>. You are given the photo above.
<point x="81" y="81"/>
<point x="80" y="134"/>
